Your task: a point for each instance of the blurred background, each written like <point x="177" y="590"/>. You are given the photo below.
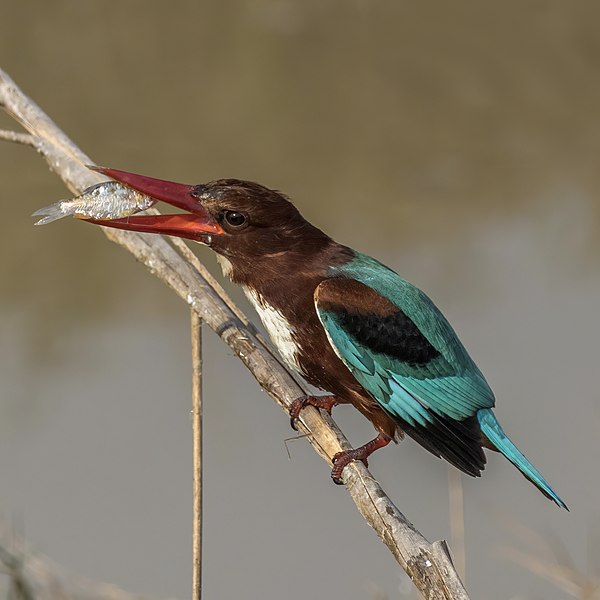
<point x="457" y="142"/>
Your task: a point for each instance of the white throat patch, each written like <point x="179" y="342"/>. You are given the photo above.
<point x="278" y="328"/>
<point x="225" y="265"/>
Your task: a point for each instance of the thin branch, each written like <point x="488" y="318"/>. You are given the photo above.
<point x="428" y="565"/>
<point x="548" y="559"/>
<point x="18" y="138"/>
<point x="196" y="323"/>
<point x="564" y="577"/>
<point x="35" y="577"/>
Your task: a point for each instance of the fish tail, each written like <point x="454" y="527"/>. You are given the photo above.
<point x="50" y="213"/>
<point x="494" y="432"/>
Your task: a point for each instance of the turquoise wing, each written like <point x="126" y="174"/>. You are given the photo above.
<point x="403" y="351"/>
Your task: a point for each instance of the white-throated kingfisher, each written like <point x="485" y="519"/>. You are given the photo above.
<point x="346" y="323"/>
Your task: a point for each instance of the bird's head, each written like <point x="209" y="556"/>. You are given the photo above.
<point x="241" y="220"/>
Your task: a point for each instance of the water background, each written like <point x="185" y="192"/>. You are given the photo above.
<point x="457" y="142"/>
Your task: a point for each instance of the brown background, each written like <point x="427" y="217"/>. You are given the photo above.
<point x="458" y="142"/>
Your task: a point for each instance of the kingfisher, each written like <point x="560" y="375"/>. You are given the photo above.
<point x="349" y="325"/>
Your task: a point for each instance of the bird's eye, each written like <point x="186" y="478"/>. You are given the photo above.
<point x="235" y="219"/>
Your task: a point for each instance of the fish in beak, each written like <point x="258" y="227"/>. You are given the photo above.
<point x="196" y="224"/>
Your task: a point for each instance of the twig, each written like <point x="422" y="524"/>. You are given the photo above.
<point x="16" y="137"/>
<point x="196" y="322"/>
<point x="428" y="565"/>
<point x="35" y="577"/>
<point x="569" y="580"/>
<point x="548" y="559"/>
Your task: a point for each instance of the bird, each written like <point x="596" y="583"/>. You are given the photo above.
<point x="346" y="323"/>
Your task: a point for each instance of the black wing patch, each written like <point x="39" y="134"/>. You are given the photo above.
<point x="394" y="335"/>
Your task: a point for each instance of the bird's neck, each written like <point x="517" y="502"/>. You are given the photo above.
<point x="286" y="279"/>
<point x="281" y="289"/>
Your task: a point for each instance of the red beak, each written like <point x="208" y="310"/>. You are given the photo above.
<point x="192" y="225"/>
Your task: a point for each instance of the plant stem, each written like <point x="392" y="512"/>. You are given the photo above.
<point x="196" y="323"/>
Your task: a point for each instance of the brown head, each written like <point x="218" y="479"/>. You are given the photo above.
<point x="243" y="221"/>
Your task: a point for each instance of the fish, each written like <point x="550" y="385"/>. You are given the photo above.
<point x="107" y="200"/>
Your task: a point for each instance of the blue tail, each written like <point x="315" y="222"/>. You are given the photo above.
<point x="493" y="431"/>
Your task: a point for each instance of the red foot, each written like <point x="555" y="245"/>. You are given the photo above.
<point x="341" y="459"/>
<point x="324" y="402"/>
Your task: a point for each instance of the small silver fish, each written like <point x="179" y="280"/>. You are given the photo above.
<point x="107" y="200"/>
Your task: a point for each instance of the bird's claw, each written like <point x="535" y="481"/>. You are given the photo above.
<point x="325" y="403"/>
<point x="295" y="407"/>
<point x="341" y="460"/>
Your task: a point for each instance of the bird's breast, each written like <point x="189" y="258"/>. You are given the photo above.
<point x="281" y="332"/>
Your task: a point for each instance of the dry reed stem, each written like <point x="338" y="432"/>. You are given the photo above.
<point x="457" y="520"/>
<point x="196" y="326"/>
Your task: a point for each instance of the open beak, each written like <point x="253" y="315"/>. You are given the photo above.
<point x="193" y="225"/>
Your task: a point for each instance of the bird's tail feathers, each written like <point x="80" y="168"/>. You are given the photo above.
<point x="494" y="432"/>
